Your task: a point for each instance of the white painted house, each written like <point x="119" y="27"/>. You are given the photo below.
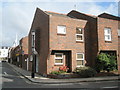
<point x="4" y="52"/>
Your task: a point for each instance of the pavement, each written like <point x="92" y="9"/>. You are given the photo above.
<point x="44" y="80"/>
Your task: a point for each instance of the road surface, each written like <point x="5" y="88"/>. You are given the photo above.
<point x="11" y="79"/>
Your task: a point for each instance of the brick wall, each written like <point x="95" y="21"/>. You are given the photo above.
<point x="119" y="49"/>
<point x="91" y="38"/>
<point x="47" y="39"/>
<point x="40" y="25"/>
<point x="24" y="52"/>
<point x="65" y="42"/>
<point x="112" y="45"/>
<point x="104" y="45"/>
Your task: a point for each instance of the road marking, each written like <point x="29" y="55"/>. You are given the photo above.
<point x="111" y="87"/>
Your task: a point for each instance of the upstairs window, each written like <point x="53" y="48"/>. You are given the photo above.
<point x="118" y="32"/>
<point x="79" y="34"/>
<point x="33" y="39"/>
<point x="80" y="59"/>
<point x="58" y="58"/>
<point x="107" y="33"/>
<point x="61" y="29"/>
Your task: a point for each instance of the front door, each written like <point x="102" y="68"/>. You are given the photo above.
<point x="68" y="60"/>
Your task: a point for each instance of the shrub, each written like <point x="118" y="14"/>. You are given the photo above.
<point x="85" y="72"/>
<point x="105" y="62"/>
<point x="55" y="72"/>
<point x="101" y="62"/>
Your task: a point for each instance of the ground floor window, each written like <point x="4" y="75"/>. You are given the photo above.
<point x="80" y="59"/>
<point x="58" y="58"/>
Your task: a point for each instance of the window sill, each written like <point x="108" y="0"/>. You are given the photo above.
<point x="108" y="41"/>
<point x="79" y="41"/>
<point x="59" y="64"/>
<point x="61" y="34"/>
<point x="80" y="66"/>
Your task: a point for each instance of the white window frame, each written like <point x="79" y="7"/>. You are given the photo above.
<point x="118" y="32"/>
<point x="61" y="26"/>
<point x="58" y="58"/>
<point x="107" y="34"/>
<point x="80" y="60"/>
<point x="80" y="35"/>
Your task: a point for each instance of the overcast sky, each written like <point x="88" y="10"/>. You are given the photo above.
<point x="17" y="17"/>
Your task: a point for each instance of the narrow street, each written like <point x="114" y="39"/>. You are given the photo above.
<point x="11" y="79"/>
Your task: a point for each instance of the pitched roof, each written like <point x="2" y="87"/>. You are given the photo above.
<point x="89" y="15"/>
<point x="109" y="16"/>
<point x="56" y="14"/>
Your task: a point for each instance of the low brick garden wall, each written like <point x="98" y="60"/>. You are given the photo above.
<point x="63" y="76"/>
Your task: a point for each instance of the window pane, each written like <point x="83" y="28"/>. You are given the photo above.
<point x="105" y="31"/>
<point x="58" y="55"/>
<point x="79" y="31"/>
<point x="58" y="60"/>
<point x="106" y="37"/>
<point x="33" y="40"/>
<point x="79" y="62"/>
<point x="79" y="56"/>
<point x="61" y="29"/>
<point x="79" y="37"/>
<point x="108" y="31"/>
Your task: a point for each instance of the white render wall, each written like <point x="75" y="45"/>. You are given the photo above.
<point x="3" y="52"/>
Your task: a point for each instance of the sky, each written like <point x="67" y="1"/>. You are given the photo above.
<point x="16" y="16"/>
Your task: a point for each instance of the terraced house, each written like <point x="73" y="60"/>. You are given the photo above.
<point x="104" y="34"/>
<point x="23" y="52"/>
<point x="71" y="40"/>
<point x="18" y="55"/>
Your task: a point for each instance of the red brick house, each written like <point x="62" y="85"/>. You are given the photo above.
<point x="14" y="55"/>
<point x="119" y="46"/>
<point x="23" y="55"/>
<point x="19" y="55"/>
<point x="59" y="41"/>
<point x="103" y="34"/>
<point x="71" y="40"/>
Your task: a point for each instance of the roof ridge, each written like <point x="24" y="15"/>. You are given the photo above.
<point x="90" y="15"/>
<point x="55" y="12"/>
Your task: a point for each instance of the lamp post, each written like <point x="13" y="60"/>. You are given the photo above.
<point x="33" y="55"/>
<point x="33" y="67"/>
